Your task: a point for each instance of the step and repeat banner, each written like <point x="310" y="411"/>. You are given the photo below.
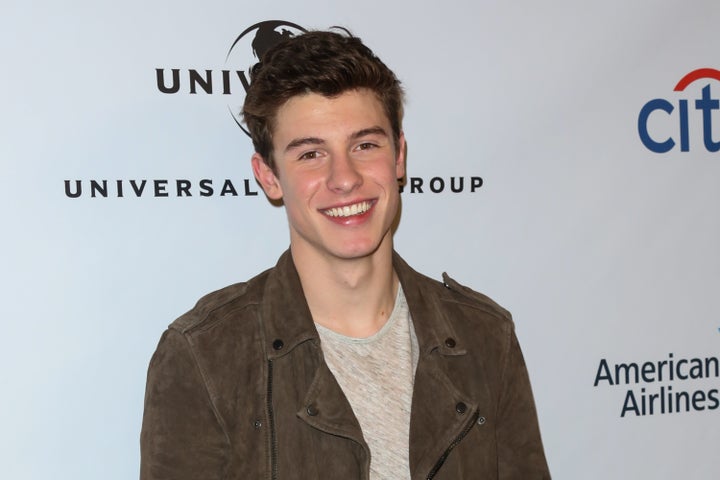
<point x="563" y="158"/>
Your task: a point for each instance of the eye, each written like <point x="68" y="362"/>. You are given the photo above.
<point x="366" y="146"/>
<point x="309" y="155"/>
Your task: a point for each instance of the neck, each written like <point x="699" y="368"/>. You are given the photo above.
<point x="353" y="297"/>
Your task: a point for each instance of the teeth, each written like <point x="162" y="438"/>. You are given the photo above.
<point x="348" y="210"/>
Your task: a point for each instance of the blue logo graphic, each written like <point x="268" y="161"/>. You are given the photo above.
<point x="659" y="106"/>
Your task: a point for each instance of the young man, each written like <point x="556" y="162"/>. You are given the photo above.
<point x="341" y="362"/>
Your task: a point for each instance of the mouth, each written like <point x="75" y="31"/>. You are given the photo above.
<point x="349" y="210"/>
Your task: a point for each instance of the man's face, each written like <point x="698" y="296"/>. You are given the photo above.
<point x="337" y="170"/>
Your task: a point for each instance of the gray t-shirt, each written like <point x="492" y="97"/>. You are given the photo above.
<point x="376" y="375"/>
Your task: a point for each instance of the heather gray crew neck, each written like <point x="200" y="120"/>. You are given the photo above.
<point x="377" y="374"/>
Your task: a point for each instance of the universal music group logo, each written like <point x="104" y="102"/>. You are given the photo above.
<point x="232" y="81"/>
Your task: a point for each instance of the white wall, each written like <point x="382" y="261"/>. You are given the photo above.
<point x="601" y="248"/>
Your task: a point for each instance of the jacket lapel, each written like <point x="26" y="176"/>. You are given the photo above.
<point x="442" y="409"/>
<point x="288" y="325"/>
<point x="326" y="408"/>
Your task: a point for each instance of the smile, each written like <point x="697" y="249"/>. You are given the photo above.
<point x="349" y="210"/>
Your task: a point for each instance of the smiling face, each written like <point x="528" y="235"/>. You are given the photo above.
<point x="337" y="169"/>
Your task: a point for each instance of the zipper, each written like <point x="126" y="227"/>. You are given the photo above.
<point x="271" y="424"/>
<point x="452" y="445"/>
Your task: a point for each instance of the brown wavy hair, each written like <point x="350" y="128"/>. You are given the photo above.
<point x="326" y="63"/>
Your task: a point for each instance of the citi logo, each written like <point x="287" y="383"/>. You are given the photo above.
<point x="661" y="127"/>
<point x="234" y="79"/>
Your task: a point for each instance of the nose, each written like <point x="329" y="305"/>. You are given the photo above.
<point x="343" y="175"/>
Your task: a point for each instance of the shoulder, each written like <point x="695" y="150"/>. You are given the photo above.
<point x="473" y="299"/>
<point x="450" y="299"/>
<point x="217" y="306"/>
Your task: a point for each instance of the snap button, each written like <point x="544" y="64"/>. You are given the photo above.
<point x="450" y="342"/>
<point x="481" y="421"/>
<point x="461" y="408"/>
<point x="278" y="344"/>
<point x="312" y="410"/>
<point x="257" y="424"/>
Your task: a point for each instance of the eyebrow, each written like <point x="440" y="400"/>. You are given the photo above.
<point x="369" y="131"/>
<point x="299" y="142"/>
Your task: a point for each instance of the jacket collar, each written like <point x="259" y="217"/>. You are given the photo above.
<point x="288" y="322"/>
<point x="285" y="312"/>
<point x="425" y="298"/>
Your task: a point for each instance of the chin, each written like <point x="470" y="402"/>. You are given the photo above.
<point x="359" y="250"/>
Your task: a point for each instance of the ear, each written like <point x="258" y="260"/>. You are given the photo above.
<point x="401" y="156"/>
<point x="266" y="177"/>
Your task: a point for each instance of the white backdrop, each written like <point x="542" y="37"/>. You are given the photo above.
<point x="601" y="248"/>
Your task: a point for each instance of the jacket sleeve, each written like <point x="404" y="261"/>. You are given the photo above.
<point x="181" y="436"/>
<point x="520" y="449"/>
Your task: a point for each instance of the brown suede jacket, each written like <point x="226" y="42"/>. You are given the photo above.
<point x="238" y="389"/>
